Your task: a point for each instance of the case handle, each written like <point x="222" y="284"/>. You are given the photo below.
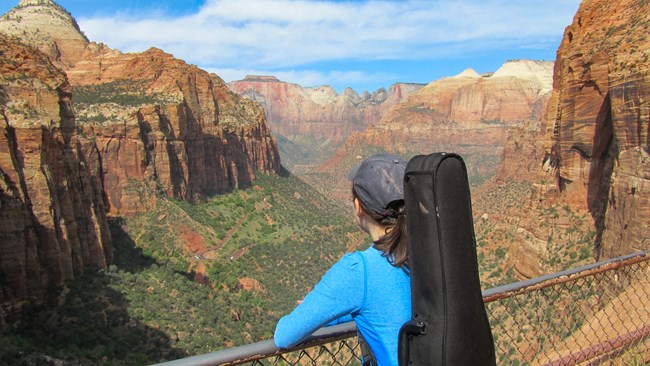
<point x="406" y="333"/>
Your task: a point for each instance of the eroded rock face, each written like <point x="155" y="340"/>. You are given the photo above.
<point x="467" y="114"/>
<point x="600" y="142"/>
<point x="467" y="109"/>
<point x="155" y="123"/>
<point x="47" y="27"/>
<point x="52" y="215"/>
<point x="591" y="153"/>
<point x="169" y="125"/>
<point x="317" y="119"/>
<point x="104" y="133"/>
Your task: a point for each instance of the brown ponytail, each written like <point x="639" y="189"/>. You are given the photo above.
<point x="393" y="243"/>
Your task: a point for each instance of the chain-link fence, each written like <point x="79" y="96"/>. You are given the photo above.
<point x="592" y="315"/>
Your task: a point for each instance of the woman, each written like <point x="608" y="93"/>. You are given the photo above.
<point x="371" y="287"/>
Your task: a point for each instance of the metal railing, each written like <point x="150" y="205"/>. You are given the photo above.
<point x="592" y="315"/>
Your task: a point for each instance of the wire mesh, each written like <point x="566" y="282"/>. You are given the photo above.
<point x="342" y="353"/>
<point x="599" y="316"/>
<point x="603" y="318"/>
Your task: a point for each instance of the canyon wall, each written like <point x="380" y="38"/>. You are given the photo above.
<point x="52" y="214"/>
<point x="167" y="125"/>
<point x="590" y="156"/>
<point x="89" y="131"/>
<point x="157" y="124"/>
<point x="599" y="141"/>
<point x="469" y="114"/>
<point x="311" y="122"/>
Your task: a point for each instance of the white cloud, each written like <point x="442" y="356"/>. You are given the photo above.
<point x="289" y="37"/>
<point x="287" y="33"/>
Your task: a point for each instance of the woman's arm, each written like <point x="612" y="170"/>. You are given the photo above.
<point x="339" y="293"/>
<point x="344" y="319"/>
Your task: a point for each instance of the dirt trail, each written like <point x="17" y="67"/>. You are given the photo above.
<point x="224" y="240"/>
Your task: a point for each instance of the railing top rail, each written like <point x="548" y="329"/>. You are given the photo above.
<point x="256" y="351"/>
<point x="265" y="349"/>
<point x="534" y="284"/>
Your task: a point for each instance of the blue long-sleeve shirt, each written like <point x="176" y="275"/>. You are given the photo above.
<point x="363" y="285"/>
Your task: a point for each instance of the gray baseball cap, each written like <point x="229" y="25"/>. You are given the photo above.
<point x="379" y="180"/>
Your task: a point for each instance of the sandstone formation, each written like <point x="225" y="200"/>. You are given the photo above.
<point x="48" y="27"/>
<point x="88" y="130"/>
<point x="468" y="114"/>
<point x="158" y="124"/>
<point x="599" y="146"/>
<point x="169" y="125"/>
<point x="52" y="214"/>
<point x="311" y="122"/>
<point x="466" y="109"/>
<point x="590" y="154"/>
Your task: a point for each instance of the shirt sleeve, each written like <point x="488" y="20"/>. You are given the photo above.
<point x="339" y="293"/>
<point x="344" y="319"/>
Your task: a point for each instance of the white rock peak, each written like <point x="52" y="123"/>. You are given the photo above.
<point x="468" y="73"/>
<point x="528" y="69"/>
<point x="35" y="2"/>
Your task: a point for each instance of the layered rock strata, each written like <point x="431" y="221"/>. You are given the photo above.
<point x="157" y="124"/>
<point x="599" y="141"/>
<point x="317" y="120"/>
<point x="104" y="133"/>
<point x="591" y="153"/>
<point x="169" y="125"/>
<point x="467" y="109"/>
<point x="469" y="114"/>
<point x="52" y="214"/>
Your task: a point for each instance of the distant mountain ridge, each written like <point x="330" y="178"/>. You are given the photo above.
<point x="311" y="122"/>
<point x="467" y="113"/>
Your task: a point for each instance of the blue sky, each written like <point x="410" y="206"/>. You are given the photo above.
<point x="365" y="45"/>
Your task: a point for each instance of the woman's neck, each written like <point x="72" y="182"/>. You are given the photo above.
<point x="376" y="231"/>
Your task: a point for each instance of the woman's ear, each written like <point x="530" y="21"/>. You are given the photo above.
<point x="359" y="215"/>
<point x="357" y="208"/>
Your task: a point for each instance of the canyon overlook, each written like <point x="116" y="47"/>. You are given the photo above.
<point x="88" y="130"/>
<point x="580" y="141"/>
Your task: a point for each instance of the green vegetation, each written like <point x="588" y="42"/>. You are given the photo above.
<point x="258" y="251"/>
<point x="423" y="110"/>
<point x="300" y="150"/>
<point x="129" y="93"/>
<point x="267" y="246"/>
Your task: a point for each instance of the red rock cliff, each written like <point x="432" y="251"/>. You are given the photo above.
<point x="167" y="125"/>
<point x="52" y="214"/>
<point x="155" y="123"/>
<point x="468" y="114"/>
<point x="600" y="146"/>
<point x="317" y="119"/>
<point x="140" y="124"/>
